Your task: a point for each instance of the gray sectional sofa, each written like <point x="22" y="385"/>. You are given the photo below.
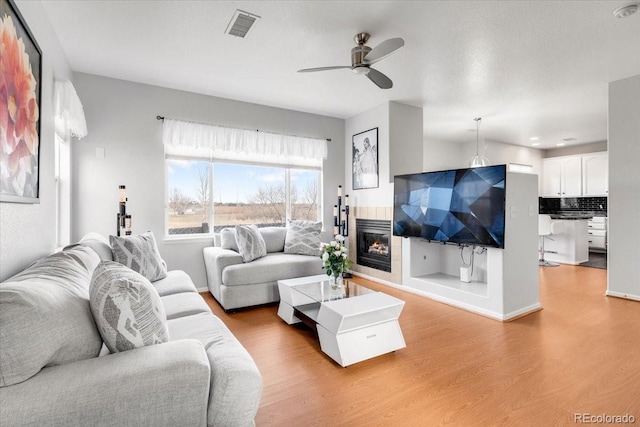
<point x="55" y="370"/>
<point x="235" y="284"/>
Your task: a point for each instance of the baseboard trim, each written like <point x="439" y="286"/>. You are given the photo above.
<point x="508" y="317"/>
<point x="622" y="295"/>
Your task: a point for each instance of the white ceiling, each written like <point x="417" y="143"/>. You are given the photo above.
<point x="528" y="68"/>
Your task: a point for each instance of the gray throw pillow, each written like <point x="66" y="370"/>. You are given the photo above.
<point x="126" y="308"/>
<point x="274" y="238"/>
<point x="140" y="253"/>
<point x="45" y="318"/>
<point x="228" y="239"/>
<point x="303" y="238"/>
<point x="251" y="245"/>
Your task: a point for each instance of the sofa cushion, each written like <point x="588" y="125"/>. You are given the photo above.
<point x="45" y="318"/>
<point x="273" y="238"/>
<point x="303" y="238"/>
<point x="228" y="239"/>
<point x="98" y="243"/>
<point x="271" y="268"/>
<point x="236" y="383"/>
<point x="251" y="245"/>
<point x="140" y="253"/>
<point x="184" y="304"/>
<point x="126" y="308"/>
<point x="177" y="281"/>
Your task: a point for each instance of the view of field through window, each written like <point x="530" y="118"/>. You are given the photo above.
<point x="206" y="197"/>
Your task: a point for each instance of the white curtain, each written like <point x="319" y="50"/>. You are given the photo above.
<point x="69" y="114"/>
<point x="217" y="142"/>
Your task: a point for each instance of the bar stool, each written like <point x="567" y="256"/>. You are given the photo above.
<point x="546" y="228"/>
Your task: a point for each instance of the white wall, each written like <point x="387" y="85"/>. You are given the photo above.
<point x="575" y="150"/>
<point x="624" y="188"/>
<point x="405" y="139"/>
<point x="438" y="155"/>
<point x="500" y="153"/>
<point x="28" y="231"/>
<point x="121" y="117"/>
<point x="372" y="197"/>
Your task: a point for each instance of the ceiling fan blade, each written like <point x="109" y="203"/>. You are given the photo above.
<point x="383" y="50"/>
<point x="382" y="81"/>
<point x="310" y="70"/>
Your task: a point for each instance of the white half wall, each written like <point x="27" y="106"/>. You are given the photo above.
<point x="624" y="188"/>
<point x="121" y="116"/>
<point x="29" y="230"/>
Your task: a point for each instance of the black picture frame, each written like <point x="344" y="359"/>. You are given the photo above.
<point x="364" y="160"/>
<point x="20" y="151"/>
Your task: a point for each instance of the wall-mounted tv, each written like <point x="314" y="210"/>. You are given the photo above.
<point x="463" y="206"/>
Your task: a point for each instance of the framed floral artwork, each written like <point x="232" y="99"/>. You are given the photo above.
<point x="365" y="159"/>
<point x="20" y="94"/>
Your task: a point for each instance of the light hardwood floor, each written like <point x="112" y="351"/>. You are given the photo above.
<point x="580" y="354"/>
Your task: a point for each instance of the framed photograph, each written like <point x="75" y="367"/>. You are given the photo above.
<point x="21" y="80"/>
<point x="365" y="159"/>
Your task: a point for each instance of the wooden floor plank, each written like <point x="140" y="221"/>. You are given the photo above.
<point x="580" y="354"/>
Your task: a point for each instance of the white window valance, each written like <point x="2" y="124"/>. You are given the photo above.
<point x="191" y="139"/>
<point x="69" y="114"/>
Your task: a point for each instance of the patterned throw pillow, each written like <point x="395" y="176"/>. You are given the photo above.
<point x="251" y="245"/>
<point x="140" y="253"/>
<point x="126" y="308"/>
<point x="303" y="238"/>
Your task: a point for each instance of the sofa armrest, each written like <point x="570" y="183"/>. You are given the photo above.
<point x="215" y="261"/>
<point x="164" y="384"/>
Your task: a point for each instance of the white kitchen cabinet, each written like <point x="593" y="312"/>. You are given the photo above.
<point x="551" y="177"/>
<point x="595" y="174"/>
<point x="562" y="177"/>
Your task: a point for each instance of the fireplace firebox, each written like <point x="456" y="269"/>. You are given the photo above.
<point x="373" y="243"/>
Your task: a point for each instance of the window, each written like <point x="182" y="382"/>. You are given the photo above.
<point x="188" y="199"/>
<point x="255" y="177"/>
<point x="62" y="176"/>
<point x="240" y="193"/>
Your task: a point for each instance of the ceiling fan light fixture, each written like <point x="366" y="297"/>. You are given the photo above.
<point x="361" y="69"/>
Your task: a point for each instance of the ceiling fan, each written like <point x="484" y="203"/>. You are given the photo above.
<point x="363" y="57"/>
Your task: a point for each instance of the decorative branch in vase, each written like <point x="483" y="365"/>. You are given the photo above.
<point x="335" y="260"/>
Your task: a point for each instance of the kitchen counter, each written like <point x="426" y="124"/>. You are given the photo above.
<point x="573" y="215"/>
<point x="572" y="245"/>
<point x="570" y="217"/>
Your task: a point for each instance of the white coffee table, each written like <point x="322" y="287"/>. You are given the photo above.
<point x="353" y="325"/>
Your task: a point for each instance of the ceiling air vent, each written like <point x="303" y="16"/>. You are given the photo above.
<point x="240" y="24"/>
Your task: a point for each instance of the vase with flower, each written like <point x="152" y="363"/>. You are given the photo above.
<point x="335" y="260"/>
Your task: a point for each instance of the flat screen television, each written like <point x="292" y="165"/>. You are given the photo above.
<point x="463" y="206"/>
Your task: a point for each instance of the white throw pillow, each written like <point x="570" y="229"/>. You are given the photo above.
<point x="303" y="238"/>
<point x="126" y="307"/>
<point x="251" y="245"/>
<point x="228" y="239"/>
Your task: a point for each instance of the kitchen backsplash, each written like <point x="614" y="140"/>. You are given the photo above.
<point x="551" y="205"/>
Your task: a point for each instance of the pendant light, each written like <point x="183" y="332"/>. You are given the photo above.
<point x="478" y="160"/>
